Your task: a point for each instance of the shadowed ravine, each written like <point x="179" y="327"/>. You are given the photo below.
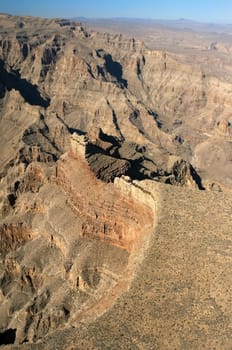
<point x="27" y="90"/>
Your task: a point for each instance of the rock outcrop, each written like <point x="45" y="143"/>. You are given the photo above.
<point x="109" y="157"/>
<point x="224" y="127"/>
<point x="70" y="229"/>
<point x="13" y="236"/>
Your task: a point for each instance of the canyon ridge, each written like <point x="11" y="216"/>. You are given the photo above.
<point x="115" y="186"/>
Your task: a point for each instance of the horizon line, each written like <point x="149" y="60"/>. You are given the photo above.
<point x="180" y="19"/>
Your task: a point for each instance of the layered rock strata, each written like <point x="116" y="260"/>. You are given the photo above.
<point x="89" y="124"/>
<point x="59" y="267"/>
<point x="136" y="94"/>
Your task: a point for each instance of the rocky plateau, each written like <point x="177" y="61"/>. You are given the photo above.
<point x="115" y="191"/>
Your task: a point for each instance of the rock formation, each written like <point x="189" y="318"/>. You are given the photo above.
<point x="94" y="128"/>
<point x="224" y="127"/>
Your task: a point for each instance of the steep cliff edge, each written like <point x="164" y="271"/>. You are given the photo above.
<point x="70" y="244"/>
<point x="180" y="296"/>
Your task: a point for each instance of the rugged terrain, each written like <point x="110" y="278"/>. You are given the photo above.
<point x="97" y="250"/>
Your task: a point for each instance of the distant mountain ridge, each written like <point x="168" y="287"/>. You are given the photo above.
<point x="181" y="23"/>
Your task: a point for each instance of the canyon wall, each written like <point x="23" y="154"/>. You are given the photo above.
<point x="90" y="125"/>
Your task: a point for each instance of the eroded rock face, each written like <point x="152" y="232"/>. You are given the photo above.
<point x="82" y="144"/>
<point x="66" y="266"/>
<point x="224" y="127"/>
<point x="125" y="82"/>
<point x="109" y="157"/>
<point x="111" y="217"/>
<point x="13" y="236"/>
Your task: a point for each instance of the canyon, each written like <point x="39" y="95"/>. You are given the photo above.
<point x="115" y="189"/>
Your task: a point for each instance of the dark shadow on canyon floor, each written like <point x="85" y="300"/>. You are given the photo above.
<point x="27" y="90"/>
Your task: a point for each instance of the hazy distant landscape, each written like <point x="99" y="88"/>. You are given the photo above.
<point x="181" y="24"/>
<point x="150" y="29"/>
<point x="206" y="44"/>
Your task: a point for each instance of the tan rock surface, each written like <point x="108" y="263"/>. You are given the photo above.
<point x="97" y="251"/>
<point x="179" y="296"/>
<point x="158" y="98"/>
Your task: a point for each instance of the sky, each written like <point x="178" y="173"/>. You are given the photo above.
<point x="200" y="10"/>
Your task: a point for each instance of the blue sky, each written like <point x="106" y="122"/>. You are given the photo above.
<point x="201" y="10"/>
